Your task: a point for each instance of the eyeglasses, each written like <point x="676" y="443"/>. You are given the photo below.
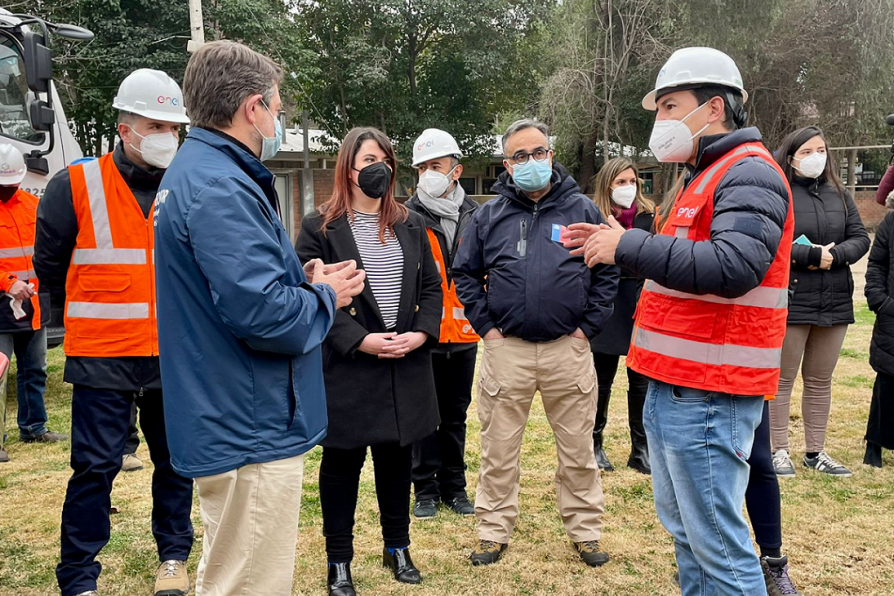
<point x="538" y="154"/>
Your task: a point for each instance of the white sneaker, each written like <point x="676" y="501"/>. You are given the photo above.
<point x="783" y="464"/>
<point x="825" y="464"/>
<point x="131" y="463"/>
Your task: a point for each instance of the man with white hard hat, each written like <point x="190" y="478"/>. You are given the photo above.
<point x="24" y="308"/>
<point x="439" y="469"/>
<point x="94" y="252"/>
<point x="711" y="320"/>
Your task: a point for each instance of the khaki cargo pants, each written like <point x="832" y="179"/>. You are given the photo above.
<point x="512" y="370"/>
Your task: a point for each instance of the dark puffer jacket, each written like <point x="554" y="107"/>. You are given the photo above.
<point x="879" y="287"/>
<point x="824" y="297"/>
<point x="750" y="208"/>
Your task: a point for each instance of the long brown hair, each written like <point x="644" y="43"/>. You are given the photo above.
<point x="603" y="185"/>
<point x="339" y="203"/>
<point x="790" y="146"/>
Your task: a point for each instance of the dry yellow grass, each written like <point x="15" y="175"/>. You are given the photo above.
<point x="839" y="534"/>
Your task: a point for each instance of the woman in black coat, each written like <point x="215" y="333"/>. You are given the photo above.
<point x="829" y="237"/>
<point x="377" y="357"/>
<point x="880" y="296"/>
<point x="619" y="194"/>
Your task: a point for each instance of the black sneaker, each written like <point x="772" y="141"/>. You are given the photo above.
<point x="46" y="437"/>
<point x="425" y="508"/>
<point x="591" y="553"/>
<point x="460" y="505"/>
<point x="487" y="552"/>
<point x="825" y="464"/>
<point x="776" y="576"/>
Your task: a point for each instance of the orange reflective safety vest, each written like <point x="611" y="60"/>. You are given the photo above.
<point x="110" y="289"/>
<point x="455" y="327"/>
<point x="728" y="345"/>
<point x="18" y="221"/>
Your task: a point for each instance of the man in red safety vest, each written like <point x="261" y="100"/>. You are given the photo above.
<point x="711" y="319"/>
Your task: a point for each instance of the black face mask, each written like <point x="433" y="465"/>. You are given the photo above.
<point x="374" y="180"/>
<point x="7" y="192"/>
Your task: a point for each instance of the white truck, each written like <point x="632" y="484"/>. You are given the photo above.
<point x="31" y="115"/>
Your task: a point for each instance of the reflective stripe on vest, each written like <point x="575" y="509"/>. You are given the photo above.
<point x="455" y="327"/>
<point x="110" y="310"/>
<point x="11" y="253"/>
<point x="728" y="345"/>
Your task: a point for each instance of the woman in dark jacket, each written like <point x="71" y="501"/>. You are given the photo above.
<point x="880" y="296"/>
<point x="377" y="357"/>
<point x="618" y="193"/>
<point x="829" y="237"/>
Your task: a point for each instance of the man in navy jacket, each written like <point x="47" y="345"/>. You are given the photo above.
<point x="536" y="306"/>
<point x="240" y="327"/>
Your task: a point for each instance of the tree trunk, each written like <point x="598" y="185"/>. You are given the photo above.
<point x="852" y="170"/>
<point x="588" y="163"/>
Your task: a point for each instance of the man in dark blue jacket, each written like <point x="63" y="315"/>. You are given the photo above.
<point x="536" y="306"/>
<point x="239" y="326"/>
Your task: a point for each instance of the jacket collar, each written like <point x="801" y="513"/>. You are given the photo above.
<point x="135" y="176"/>
<point x="563" y="185"/>
<point x="713" y="147"/>
<point x="431" y="220"/>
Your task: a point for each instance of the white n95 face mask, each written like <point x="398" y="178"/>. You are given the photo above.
<point x="812" y="166"/>
<point x="157" y="149"/>
<point x="434" y="183"/>
<point x="671" y="140"/>
<point x="624" y="196"/>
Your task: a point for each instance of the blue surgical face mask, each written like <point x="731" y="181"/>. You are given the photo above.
<point x="270" y="145"/>
<point x="532" y="175"/>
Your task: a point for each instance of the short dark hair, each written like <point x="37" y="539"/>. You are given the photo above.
<point x="734" y="114"/>
<point x="220" y="75"/>
<point x="127" y="118"/>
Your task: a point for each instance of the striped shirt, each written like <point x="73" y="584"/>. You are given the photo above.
<point x="383" y="263"/>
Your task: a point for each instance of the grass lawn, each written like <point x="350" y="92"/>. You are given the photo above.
<point x="838" y="533"/>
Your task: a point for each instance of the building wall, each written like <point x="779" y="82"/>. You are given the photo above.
<point x="871" y="212"/>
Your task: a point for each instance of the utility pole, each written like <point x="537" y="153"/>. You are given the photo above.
<point x="196" y="27"/>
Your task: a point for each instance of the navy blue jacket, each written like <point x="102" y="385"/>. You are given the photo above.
<point x="750" y="208"/>
<point x="511" y="274"/>
<point x="240" y="330"/>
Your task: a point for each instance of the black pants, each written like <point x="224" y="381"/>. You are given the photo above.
<point x="439" y="466"/>
<point x="637" y="386"/>
<point x="880" y="425"/>
<point x="99" y="429"/>
<point x="762" y="495"/>
<point x="133" y="435"/>
<point x="339" y="483"/>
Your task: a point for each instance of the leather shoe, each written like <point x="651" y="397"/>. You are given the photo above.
<point x="401" y="566"/>
<point x="340" y="582"/>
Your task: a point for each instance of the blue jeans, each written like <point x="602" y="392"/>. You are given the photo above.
<point x="699" y="444"/>
<point x="30" y="349"/>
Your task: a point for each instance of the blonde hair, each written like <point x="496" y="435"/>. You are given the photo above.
<point x="603" y="185"/>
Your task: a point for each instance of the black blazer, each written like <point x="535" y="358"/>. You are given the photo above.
<point x="372" y="401"/>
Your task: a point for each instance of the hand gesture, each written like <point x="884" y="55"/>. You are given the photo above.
<point x="344" y="278"/>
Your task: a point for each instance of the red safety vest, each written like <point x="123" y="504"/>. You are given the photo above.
<point x="728" y="345"/>
<point x="18" y="218"/>
<point x="110" y="289"/>
<point x="455" y="327"/>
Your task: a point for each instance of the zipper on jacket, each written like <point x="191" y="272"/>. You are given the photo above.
<point x="140" y="394"/>
<point x="522" y="245"/>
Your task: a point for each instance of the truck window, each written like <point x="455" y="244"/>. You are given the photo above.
<point x="15" y="96"/>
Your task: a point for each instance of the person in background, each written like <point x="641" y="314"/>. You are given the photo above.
<point x="879" y="293"/>
<point x="93" y="252"/>
<point x="439" y="467"/>
<point x="619" y="194"/>
<point x="536" y="305"/>
<point x="378" y="368"/>
<point x="24" y="308"/>
<point x="711" y="319"/>
<point x="829" y="237"/>
<point x="884" y="195"/>
<point x="240" y="323"/>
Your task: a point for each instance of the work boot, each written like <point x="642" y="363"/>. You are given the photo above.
<point x="46" y="437"/>
<point x="487" y="552"/>
<point x="401" y="565"/>
<point x="340" y="581"/>
<point x="460" y="505"/>
<point x="4" y="457"/>
<point x="639" y="452"/>
<point x="171" y="579"/>
<point x="873" y="456"/>
<point x="426" y="508"/>
<point x="599" y="428"/>
<point x="591" y="553"/>
<point x="776" y="577"/>
<point x="131" y="463"/>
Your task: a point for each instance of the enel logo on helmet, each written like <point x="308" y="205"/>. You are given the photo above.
<point x="162" y="99"/>
<point x="426" y="145"/>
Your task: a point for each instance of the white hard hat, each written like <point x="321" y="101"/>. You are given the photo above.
<point x="432" y="144"/>
<point x="690" y="68"/>
<point x="12" y="165"/>
<point x="151" y="94"/>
